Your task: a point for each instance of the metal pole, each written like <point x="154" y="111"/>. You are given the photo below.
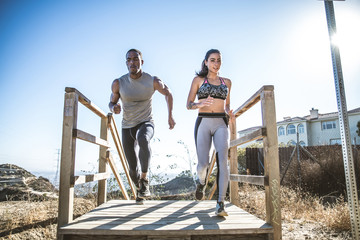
<point x="344" y="125"/>
<point x="298" y="159"/>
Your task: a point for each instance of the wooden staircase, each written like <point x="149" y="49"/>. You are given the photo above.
<point x="191" y="220"/>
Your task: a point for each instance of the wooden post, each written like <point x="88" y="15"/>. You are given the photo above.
<point x="234" y="186"/>
<point x="271" y="163"/>
<point x="102" y="191"/>
<point x="67" y="166"/>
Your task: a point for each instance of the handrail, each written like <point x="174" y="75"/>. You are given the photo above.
<point x="117" y="176"/>
<point x="271" y="178"/>
<point x="67" y="169"/>
<point x="252" y="100"/>
<point x="257" y="134"/>
<point x="120" y="150"/>
<point x="86" y="102"/>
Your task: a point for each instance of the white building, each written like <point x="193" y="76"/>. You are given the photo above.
<point x="314" y="129"/>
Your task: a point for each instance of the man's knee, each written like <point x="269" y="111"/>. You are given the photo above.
<point x="143" y="142"/>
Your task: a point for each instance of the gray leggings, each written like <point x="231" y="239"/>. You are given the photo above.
<point x="213" y="127"/>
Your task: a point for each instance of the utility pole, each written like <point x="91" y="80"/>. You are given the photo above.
<point x="344" y="124"/>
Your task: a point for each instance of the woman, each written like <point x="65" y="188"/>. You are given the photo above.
<point x="213" y="94"/>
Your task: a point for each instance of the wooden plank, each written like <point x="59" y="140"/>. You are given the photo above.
<point x="90" y="138"/>
<point x="234" y="186"/>
<point x="145" y="216"/>
<point x="89" y="178"/>
<point x="212" y="190"/>
<point x="116" y="174"/>
<point x="67" y="165"/>
<point x="86" y="102"/>
<point x="196" y="237"/>
<point x="103" y="163"/>
<point x="271" y="163"/>
<point x="178" y="237"/>
<point x="169" y="238"/>
<point x="120" y="150"/>
<point x="252" y="100"/>
<point x="131" y="222"/>
<point x="257" y="134"/>
<point x="252" y="179"/>
<point x="104" y="237"/>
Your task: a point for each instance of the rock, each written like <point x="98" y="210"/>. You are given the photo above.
<point x="18" y="184"/>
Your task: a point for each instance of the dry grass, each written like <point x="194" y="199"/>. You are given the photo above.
<point x="35" y="220"/>
<point x="298" y="205"/>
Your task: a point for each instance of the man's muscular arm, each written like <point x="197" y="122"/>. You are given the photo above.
<point x="114" y="106"/>
<point x="164" y="90"/>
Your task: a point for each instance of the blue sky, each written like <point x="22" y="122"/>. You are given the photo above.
<point x="46" y="46"/>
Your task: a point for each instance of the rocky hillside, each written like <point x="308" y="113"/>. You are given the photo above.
<point x="180" y="185"/>
<point x="18" y="184"/>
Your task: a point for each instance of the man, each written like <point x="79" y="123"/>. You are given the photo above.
<point x="135" y="89"/>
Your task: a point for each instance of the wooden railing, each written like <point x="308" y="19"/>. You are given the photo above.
<point x="67" y="168"/>
<point x="271" y="178"/>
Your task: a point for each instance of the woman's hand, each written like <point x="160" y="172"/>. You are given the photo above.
<point x="206" y="102"/>
<point x="231" y="115"/>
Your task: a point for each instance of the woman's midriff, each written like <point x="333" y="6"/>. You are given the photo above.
<point x="218" y="106"/>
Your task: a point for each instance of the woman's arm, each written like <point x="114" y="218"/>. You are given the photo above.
<point x="190" y="104"/>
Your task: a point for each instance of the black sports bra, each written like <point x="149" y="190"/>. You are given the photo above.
<point x="215" y="91"/>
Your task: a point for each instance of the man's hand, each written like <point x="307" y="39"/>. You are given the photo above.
<point x="116" y="108"/>
<point x="172" y="123"/>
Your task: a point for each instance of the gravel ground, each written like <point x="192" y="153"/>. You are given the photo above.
<point x="300" y="230"/>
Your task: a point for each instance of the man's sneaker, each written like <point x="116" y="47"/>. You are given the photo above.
<point x="137" y="185"/>
<point x="199" y="193"/>
<point x="220" y="210"/>
<point x="139" y="201"/>
<point x="144" y="188"/>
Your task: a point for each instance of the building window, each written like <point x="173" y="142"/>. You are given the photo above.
<point x="281" y="131"/>
<point x="301" y="128"/>
<point x="328" y="125"/>
<point x="336" y="141"/>
<point x="291" y="129"/>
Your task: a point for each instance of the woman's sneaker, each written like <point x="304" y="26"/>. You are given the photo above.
<point x="220" y="210"/>
<point x="199" y="193"/>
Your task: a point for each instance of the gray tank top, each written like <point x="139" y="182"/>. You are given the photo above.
<point x="136" y="97"/>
